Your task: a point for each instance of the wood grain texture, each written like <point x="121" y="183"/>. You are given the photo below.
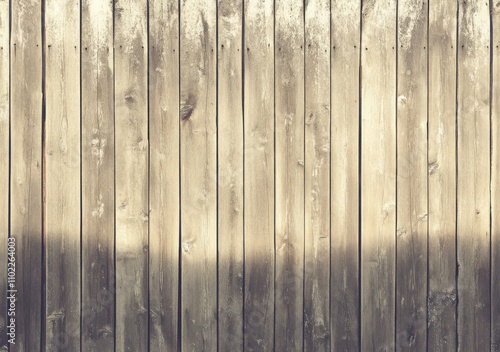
<point x="317" y="177"/>
<point x="131" y="182"/>
<point x="473" y="193"/>
<point x="345" y="182"/>
<point x="259" y="175"/>
<point x="230" y="175"/>
<point x="164" y="182"/>
<point x="289" y="176"/>
<point x="378" y="181"/>
<point x="198" y="175"/>
<point x="442" y="295"/>
<point x="411" y="210"/>
<point x="98" y="170"/>
<point x="62" y="176"/>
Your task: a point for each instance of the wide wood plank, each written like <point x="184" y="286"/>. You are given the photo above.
<point x="345" y="182"/>
<point x="442" y="296"/>
<point x="411" y="212"/>
<point x="62" y="175"/>
<point x="164" y="223"/>
<point x="131" y="182"/>
<point x="230" y="175"/>
<point x="317" y="177"/>
<point x="473" y="193"/>
<point x="198" y="175"/>
<point x="289" y="177"/>
<point x="259" y="175"/>
<point x="378" y="165"/>
<point x="98" y="168"/>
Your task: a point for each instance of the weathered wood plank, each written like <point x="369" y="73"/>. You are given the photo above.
<point x="411" y="208"/>
<point x="62" y="175"/>
<point x="98" y="168"/>
<point x="230" y="182"/>
<point x="289" y="177"/>
<point x="259" y="175"/>
<point x="317" y="177"/>
<point x="198" y="175"/>
<point x="378" y="186"/>
<point x="473" y="194"/>
<point x="442" y="176"/>
<point x="345" y="161"/>
<point x="164" y="182"/>
<point x="131" y="182"/>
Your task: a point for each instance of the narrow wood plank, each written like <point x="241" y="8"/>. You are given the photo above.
<point x="345" y="161"/>
<point x="442" y="296"/>
<point x="4" y="156"/>
<point x="164" y="225"/>
<point x="259" y="175"/>
<point x="131" y="182"/>
<point x="98" y="170"/>
<point x="473" y="193"/>
<point x="378" y="186"/>
<point x="317" y="176"/>
<point x="289" y="178"/>
<point x="62" y="175"/>
<point x="411" y="212"/>
<point x="230" y="175"/>
<point x="198" y="175"/>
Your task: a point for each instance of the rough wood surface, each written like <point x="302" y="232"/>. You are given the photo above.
<point x="378" y="177"/>
<point x="317" y="177"/>
<point x="198" y="175"/>
<point x="259" y="175"/>
<point x="164" y="181"/>
<point x="411" y="212"/>
<point x="230" y="175"/>
<point x="131" y="180"/>
<point x="442" y="297"/>
<point x="345" y="182"/>
<point x="98" y="165"/>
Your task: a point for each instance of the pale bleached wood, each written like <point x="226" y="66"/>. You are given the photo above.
<point x="289" y="177"/>
<point x="345" y="124"/>
<point x="411" y="212"/>
<point x="230" y="175"/>
<point x="442" y="296"/>
<point x="473" y="191"/>
<point x="131" y="178"/>
<point x="317" y="176"/>
<point x="259" y="175"/>
<point x="378" y="180"/>
<point x="62" y="176"/>
<point x="98" y="168"/>
<point x="164" y="225"/>
<point x="4" y="157"/>
<point x="198" y="175"/>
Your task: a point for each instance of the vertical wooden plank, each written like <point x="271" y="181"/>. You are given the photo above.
<point x="198" y="175"/>
<point x="378" y="165"/>
<point x="131" y="182"/>
<point x="289" y="156"/>
<point x="317" y="176"/>
<point x="98" y="203"/>
<point x="230" y="175"/>
<point x="62" y="175"/>
<point x="4" y="156"/>
<point x="411" y="212"/>
<point x="259" y="175"/>
<point x="345" y="149"/>
<point x="473" y="194"/>
<point x="164" y="225"/>
<point x="26" y="171"/>
<point x="442" y="175"/>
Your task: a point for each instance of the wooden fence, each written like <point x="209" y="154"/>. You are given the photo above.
<point x="250" y="175"/>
